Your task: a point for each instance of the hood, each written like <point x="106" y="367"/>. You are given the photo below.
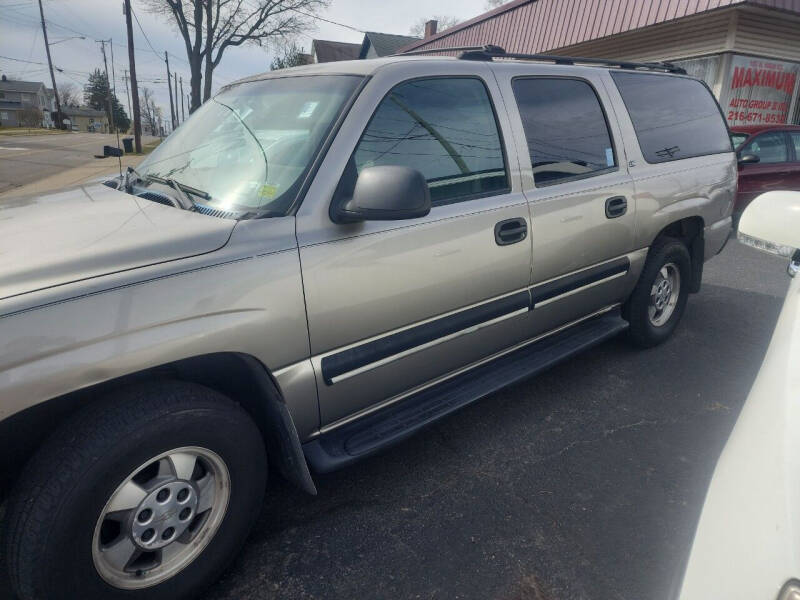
<point x="90" y="231"/>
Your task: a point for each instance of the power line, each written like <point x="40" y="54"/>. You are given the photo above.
<point x="33" y="62"/>
<point x="24" y="19"/>
<point x="317" y="17"/>
<point x="313" y="16"/>
<point x="32" y="23"/>
<point x="133" y="12"/>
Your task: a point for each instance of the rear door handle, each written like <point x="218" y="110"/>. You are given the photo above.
<point x="510" y="231"/>
<point x="616" y="207"/>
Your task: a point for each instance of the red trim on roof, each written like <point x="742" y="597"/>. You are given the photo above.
<point x="465" y="24"/>
<point x="542" y="25"/>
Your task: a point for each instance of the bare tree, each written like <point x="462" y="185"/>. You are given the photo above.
<point x="289" y="55"/>
<point x="151" y="114"/>
<point x="442" y="22"/>
<point x="30" y="116"/>
<point x="71" y="94"/>
<point x="210" y="27"/>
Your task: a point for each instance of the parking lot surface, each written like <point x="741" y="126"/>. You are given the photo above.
<point x="585" y="482"/>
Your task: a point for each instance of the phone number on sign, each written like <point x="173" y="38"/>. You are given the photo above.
<point x="756" y="117"/>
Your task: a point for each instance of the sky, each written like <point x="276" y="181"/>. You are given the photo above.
<point x="21" y="39"/>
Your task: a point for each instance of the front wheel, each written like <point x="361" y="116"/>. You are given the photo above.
<point x="147" y="494"/>
<point x="657" y="303"/>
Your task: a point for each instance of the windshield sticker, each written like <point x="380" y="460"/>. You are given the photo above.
<point x="268" y="191"/>
<point x="609" y="157"/>
<point x="307" y="110"/>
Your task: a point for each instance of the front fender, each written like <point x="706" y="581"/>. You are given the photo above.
<point x="253" y="306"/>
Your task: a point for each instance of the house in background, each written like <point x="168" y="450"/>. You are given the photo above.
<point x="374" y="45"/>
<point x="329" y="51"/>
<point x="86" y="119"/>
<point x="383" y="44"/>
<point x="24" y="104"/>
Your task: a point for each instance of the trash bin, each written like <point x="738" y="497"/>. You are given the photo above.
<point x="128" y="144"/>
<point x="111" y="151"/>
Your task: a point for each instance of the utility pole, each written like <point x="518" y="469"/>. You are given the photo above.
<point x="169" y="87"/>
<point x="137" y="123"/>
<point x="50" y="64"/>
<point x="183" y="110"/>
<point x="177" y="114"/>
<point x="127" y="93"/>
<point x="114" y="85"/>
<point x="108" y="95"/>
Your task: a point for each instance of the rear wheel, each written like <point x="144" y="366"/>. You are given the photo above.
<point x="657" y="303"/>
<point x="147" y="494"/>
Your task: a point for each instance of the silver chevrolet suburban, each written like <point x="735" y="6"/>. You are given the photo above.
<point x="318" y="263"/>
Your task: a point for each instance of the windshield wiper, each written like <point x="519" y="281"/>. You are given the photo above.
<point x="183" y="199"/>
<point x="182" y="190"/>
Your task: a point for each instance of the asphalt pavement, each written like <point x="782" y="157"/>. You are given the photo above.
<point x="583" y="483"/>
<point x="26" y="159"/>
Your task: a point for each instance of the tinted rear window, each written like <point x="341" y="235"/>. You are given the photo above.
<point x="674" y="117"/>
<point x="566" y="129"/>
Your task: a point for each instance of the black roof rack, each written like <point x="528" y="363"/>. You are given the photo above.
<point x="489" y="52"/>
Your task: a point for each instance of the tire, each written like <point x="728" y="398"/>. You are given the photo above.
<point x="57" y="543"/>
<point x="646" y="328"/>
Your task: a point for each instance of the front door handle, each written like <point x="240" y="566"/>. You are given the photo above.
<point x="616" y="207"/>
<point x="510" y="231"/>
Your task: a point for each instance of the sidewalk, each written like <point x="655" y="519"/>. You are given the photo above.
<point x="26" y="131"/>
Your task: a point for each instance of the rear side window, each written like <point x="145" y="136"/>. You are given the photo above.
<point x="769" y="147"/>
<point x="565" y="128"/>
<point x="446" y="129"/>
<point x="674" y="117"/>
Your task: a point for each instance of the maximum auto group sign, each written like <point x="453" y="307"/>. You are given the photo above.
<point x="759" y="91"/>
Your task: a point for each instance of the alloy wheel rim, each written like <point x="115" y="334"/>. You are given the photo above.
<point x="161" y="517"/>
<point x="664" y="294"/>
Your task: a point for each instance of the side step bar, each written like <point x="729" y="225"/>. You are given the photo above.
<point x="376" y="431"/>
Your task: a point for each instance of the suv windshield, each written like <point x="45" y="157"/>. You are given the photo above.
<point x="249" y="147"/>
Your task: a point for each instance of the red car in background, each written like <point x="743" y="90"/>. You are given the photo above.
<point x="769" y="159"/>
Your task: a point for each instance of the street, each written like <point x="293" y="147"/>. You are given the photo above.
<point x="585" y="482"/>
<point x="26" y="159"/>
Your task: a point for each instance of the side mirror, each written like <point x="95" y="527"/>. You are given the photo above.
<point x="386" y="193"/>
<point x="771" y="223"/>
<point x="749" y="159"/>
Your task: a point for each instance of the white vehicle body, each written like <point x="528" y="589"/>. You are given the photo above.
<point x="747" y="543"/>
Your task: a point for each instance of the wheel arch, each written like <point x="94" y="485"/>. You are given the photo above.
<point x="690" y="231"/>
<point x="241" y="377"/>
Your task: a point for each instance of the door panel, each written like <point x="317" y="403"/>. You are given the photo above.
<point x="578" y="187"/>
<point x="755" y="179"/>
<point x="393" y="310"/>
<point x="571" y="230"/>
<point x="394" y="305"/>
<point x="368" y="285"/>
<point x="773" y="172"/>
